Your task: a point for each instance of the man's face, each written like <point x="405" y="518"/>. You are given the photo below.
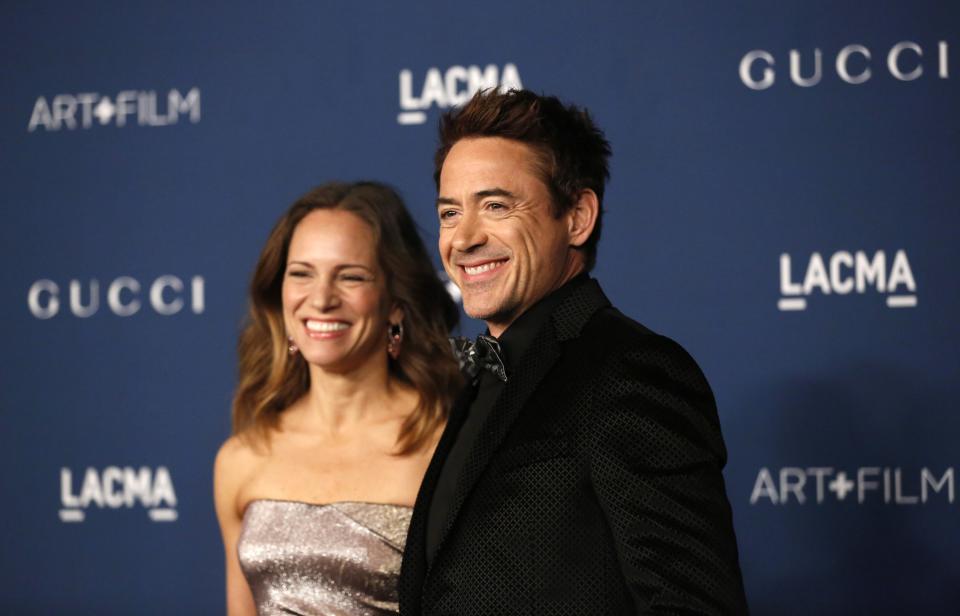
<point x="499" y="240"/>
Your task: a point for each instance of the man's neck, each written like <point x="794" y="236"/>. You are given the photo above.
<point x="574" y="268"/>
<point x="547" y="298"/>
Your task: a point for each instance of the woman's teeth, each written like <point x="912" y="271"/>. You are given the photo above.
<point x="326" y="326"/>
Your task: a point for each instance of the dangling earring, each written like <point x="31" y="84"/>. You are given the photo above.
<point x="292" y="347"/>
<point x="394" y="339"/>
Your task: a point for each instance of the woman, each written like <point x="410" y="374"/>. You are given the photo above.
<point x="346" y="377"/>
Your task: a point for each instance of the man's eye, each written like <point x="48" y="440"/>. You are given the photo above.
<point x="447" y="214"/>
<point x="496" y="206"/>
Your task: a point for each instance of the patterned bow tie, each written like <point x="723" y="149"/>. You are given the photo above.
<point x="484" y="354"/>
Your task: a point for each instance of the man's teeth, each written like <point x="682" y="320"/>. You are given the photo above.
<point x="325" y="326"/>
<point x="486" y="267"/>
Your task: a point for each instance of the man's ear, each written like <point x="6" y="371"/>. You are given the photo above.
<point x="582" y="217"/>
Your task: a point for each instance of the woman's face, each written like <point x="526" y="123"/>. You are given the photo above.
<point x="335" y="304"/>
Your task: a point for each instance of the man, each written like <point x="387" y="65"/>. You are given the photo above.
<point x="580" y="473"/>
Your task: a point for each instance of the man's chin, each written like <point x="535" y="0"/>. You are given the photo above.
<point x="478" y="309"/>
<point x="491" y="314"/>
<point x="476" y="313"/>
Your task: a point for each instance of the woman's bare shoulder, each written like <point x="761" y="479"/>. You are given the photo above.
<point x="238" y="459"/>
<point x="239" y="449"/>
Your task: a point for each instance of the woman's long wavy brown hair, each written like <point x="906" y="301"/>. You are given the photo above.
<point x="271" y="379"/>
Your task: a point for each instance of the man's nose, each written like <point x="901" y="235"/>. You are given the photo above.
<point x="469" y="233"/>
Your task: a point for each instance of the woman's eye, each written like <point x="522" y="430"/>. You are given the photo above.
<point x="298" y="273"/>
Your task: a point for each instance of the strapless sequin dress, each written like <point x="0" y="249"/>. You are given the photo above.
<point x="339" y="559"/>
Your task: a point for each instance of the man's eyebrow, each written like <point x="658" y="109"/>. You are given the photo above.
<point x="494" y="192"/>
<point x="480" y="194"/>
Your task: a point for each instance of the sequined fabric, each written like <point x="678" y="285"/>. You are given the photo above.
<point x="338" y="559"/>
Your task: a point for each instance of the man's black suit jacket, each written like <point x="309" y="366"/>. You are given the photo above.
<point x="594" y="488"/>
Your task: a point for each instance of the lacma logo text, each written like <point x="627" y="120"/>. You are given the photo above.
<point x="450" y="88"/>
<point x="843" y="273"/>
<point x="89" y="109"/>
<point x="119" y="488"/>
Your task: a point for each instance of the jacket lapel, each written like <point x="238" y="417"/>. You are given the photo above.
<point x="414" y="564"/>
<point x="566" y="322"/>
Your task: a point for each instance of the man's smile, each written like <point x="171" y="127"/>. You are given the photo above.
<point x="479" y="271"/>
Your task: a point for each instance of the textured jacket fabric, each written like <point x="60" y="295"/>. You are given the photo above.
<point x="594" y="488"/>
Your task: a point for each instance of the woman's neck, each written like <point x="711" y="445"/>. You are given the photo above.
<point x="338" y="402"/>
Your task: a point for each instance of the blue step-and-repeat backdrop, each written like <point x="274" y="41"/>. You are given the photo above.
<point x="784" y="202"/>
